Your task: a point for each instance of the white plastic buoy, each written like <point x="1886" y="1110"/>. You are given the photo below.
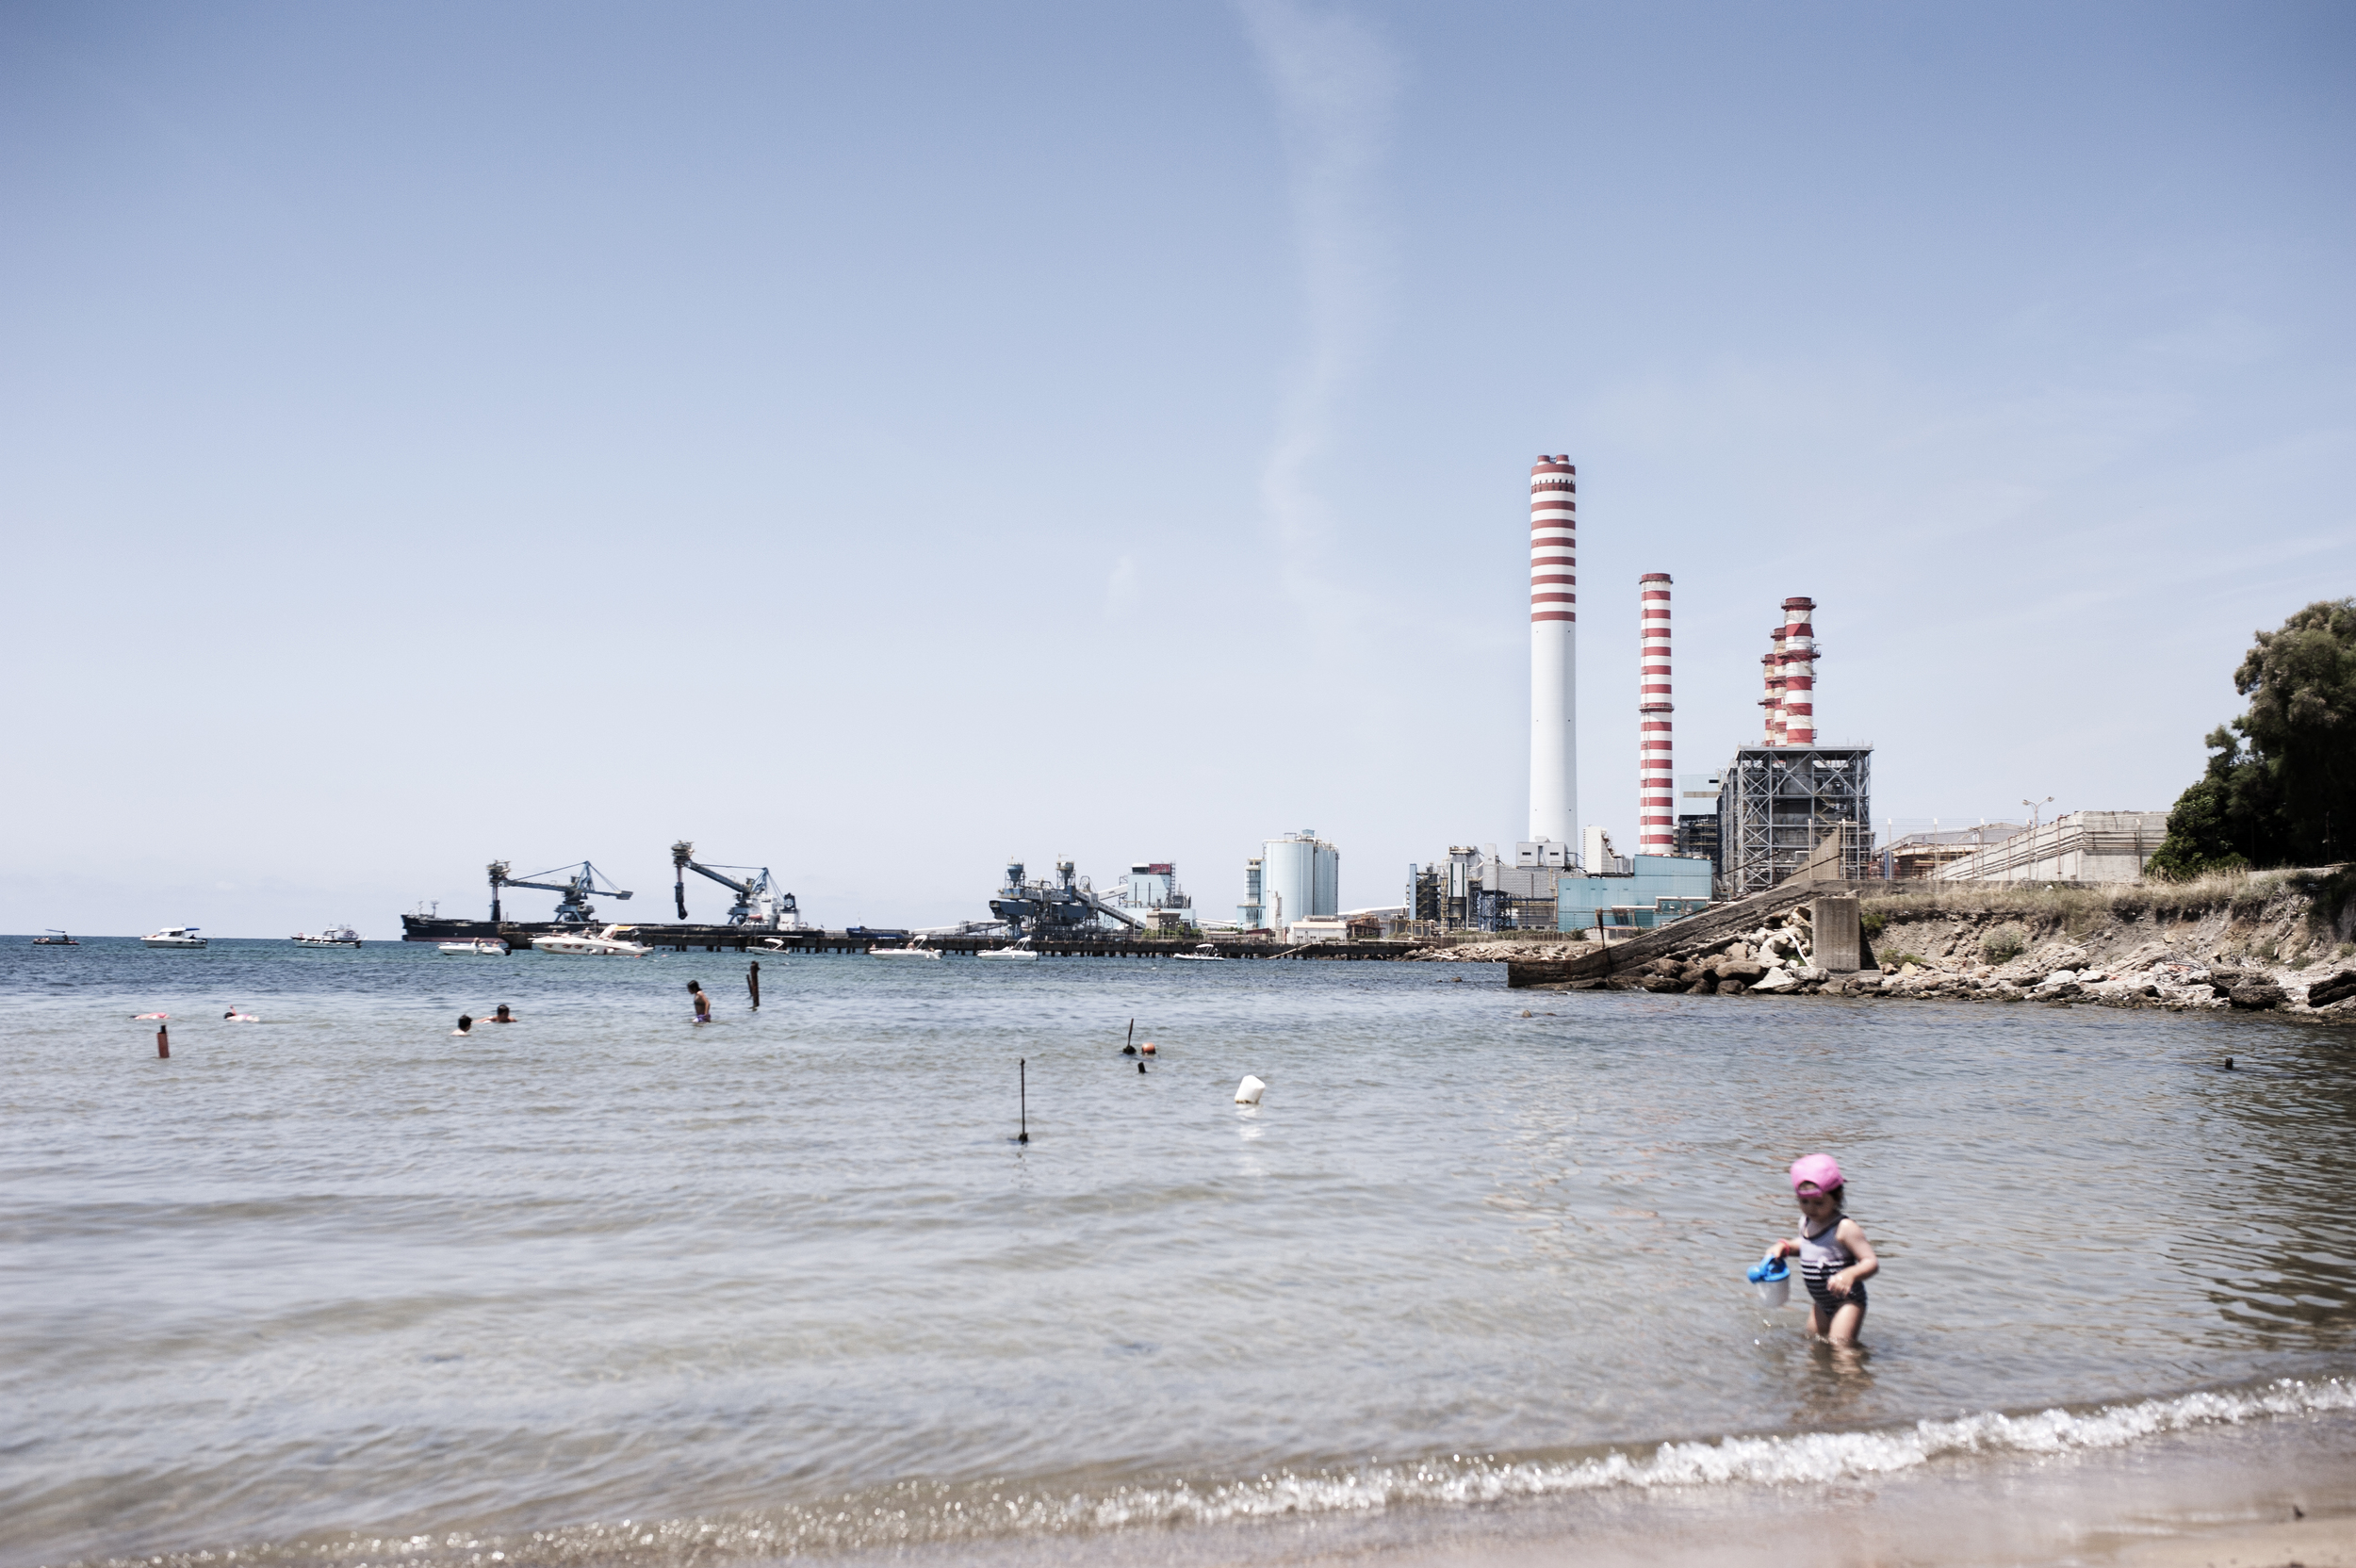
<point x="1248" y="1092"/>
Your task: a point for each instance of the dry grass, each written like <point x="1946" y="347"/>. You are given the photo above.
<point x="2078" y="909"/>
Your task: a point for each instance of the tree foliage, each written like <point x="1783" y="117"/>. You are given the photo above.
<point x="2289" y="794"/>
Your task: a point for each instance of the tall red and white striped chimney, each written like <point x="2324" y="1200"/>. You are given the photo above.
<point x="1771" y="670"/>
<point x="1656" y="787"/>
<point x="1554" y="650"/>
<point x="1799" y="672"/>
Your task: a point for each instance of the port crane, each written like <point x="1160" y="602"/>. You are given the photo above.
<point x="574" y="907"/>
<point x="756" y="904"/>
<point x="1051" y="908"/>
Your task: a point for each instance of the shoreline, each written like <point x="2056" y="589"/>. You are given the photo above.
<point x="2210" y="1498"/>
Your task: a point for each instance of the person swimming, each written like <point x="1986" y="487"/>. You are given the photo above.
<point x="502" y="1016"/>
<point x="703" y="1003"/>
<point x="466" y="1024"/>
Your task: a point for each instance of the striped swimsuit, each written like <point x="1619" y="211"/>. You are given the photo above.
<point x="1821" y="1256"/>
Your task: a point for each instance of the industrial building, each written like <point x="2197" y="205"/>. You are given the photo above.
<point x="1658" y="889"/>
<point x="1912" y="857"/>
<point x="1152" y="894"/>
<point x="1475" y="889"/>
<point x="1777" y="805"/>
<point x="1599" y="858"/>
<point x="2082" y="846"/>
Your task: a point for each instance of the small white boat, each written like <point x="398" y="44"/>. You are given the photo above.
<point x="914" y="950"/>
<point x="334" y="936"/>
<point x="1207" y="953"/>
<point x="175" y="936"/>
<point x="482" y="947"/>
<point x="1013" y="953"/>
<point x="608" y="943"/>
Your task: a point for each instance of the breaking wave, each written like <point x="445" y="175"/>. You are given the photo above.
<point x="926" y="1513"/>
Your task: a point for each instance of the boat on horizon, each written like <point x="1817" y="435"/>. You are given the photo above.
<point x="334" y="936"/>
<point x="608" y="943"/>
<point x="482" y="947"/>
<point x="174" y="935"/>
<point x="55" y="938"/>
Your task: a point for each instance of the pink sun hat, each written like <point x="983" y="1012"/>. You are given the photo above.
<point x="1821" y="1172"/>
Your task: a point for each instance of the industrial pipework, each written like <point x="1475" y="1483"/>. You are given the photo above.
<point x="1656" y="810"/>
<point x="1553" y="652"/>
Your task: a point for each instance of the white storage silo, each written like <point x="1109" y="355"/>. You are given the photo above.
<point x="1302" y="874"/>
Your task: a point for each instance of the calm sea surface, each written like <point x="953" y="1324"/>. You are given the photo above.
<point x="337" y="1284"/>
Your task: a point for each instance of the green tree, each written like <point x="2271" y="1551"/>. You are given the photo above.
<point x="2291" y="795"/>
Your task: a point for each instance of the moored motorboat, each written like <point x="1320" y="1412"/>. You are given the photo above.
<point x="334" y="936"/>
<point x="55" y="938"/>
<point x="482" y="947"/>
<point x="914" y="950"/>
<point x="1013" y="953"/>
<point x="608" y="943"/>
<point x="1207" y="953"/>
<point x="174" y="935"/>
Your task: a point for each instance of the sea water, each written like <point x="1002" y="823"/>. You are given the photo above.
<point x="607" y="1285"/>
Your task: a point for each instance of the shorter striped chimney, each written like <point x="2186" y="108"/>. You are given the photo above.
<point x="1799" y="672"/>
<point x="1655" y="788"/>
<point x="1771" y="668"/>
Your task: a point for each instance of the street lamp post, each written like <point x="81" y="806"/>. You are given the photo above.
<point x="2034" y="806"/>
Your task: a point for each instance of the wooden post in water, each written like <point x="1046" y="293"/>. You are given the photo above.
<point x="163" y="1040"/>
<point x="752" y="983"/>
<point x="1022" y="1088"/>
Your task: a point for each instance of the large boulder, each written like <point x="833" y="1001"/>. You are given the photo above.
<point x="1774" y="980"/>
<point x="1663" y="983"/>
<point x="2255" y="995"/>
<point x="2322" y="994"/>
<point x="1738" y="971"/>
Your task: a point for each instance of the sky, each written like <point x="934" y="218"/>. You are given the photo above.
<point x="876" y="442"/>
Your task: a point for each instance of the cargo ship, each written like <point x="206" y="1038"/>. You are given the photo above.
<point x="760" y="910"/>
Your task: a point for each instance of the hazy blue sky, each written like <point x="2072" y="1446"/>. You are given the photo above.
<point x="873" y="441"/>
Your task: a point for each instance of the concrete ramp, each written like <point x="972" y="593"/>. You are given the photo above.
<point x="1693" y="931"/>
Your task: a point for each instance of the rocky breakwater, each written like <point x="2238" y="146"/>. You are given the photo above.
<point x="1777" y="956"/>
<point x="2278" y="942"/>
<point x="1502" y="950"/>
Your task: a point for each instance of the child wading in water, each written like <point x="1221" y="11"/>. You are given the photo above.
<point x="1836" y="1260"/>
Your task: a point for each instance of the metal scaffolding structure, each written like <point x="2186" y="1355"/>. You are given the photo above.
<point x="1779" y="804"/>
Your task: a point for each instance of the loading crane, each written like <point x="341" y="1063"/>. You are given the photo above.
<point x="574" y="907"/>
<point x="757" y="904"/>
<point x="1067" y="904"/>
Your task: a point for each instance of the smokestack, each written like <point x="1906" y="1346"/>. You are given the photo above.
<point x="1771" y="669"/>
<point x="1799" y="672"/>
<point x="1553" y="650"/>
<point x="1656" y="791"/>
